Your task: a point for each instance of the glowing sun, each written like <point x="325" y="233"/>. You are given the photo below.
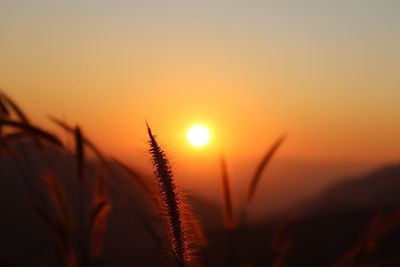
<point x="198" y="135"/>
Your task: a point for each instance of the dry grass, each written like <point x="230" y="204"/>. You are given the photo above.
<point x="138" y="179"/>
<point x="78" y="232"/>
<point x="98" y="222"/>
<point x="379" y="226"/>
<point x="22" y="117"/>
<point x="173" y="203"/>
<point x="35" y="132"/>
<point x="59" y="224"/>
<point x="281" y="241"/>
<point x="80" y="154"/>
<point x="262" y="166"/>
<point x="228" y="215"/>
<point x="48" y="198"/>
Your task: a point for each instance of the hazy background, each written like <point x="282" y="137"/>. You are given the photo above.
<point x="326" y="72"/>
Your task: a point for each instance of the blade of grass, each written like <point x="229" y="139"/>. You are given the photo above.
<point x="3" y="110"/>
<point x="228" y="216"/>
<point x="89" y="143"/>
<point x="98" y="224"/>
<point x="80" y="154"/>
<point x="135" y="175"/>
<point x="20" y="114"/>
<point x="51" y="138"/>
<point x="262" y="166"/>
<point x="4" y="114"/>
<point x="280" y="236"/>
<point x="58" y="198"/>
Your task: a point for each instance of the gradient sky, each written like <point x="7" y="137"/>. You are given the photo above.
<point x="326" y="72"/>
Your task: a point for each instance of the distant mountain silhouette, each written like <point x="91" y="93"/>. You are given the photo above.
<point x="336" y="219"/>
<point x="333" y="222"/>
<point x="379" y="189"/>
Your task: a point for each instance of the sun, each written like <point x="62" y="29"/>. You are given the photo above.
<point x="198" y="135"/>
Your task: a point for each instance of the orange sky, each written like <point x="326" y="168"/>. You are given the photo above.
<point x="325" y="73"/>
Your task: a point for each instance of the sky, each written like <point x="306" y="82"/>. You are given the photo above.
<point x="324" y="72"/>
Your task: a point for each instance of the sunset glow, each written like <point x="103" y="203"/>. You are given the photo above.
<point x="139" y="123"/>
<point x="198" y="135"/>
